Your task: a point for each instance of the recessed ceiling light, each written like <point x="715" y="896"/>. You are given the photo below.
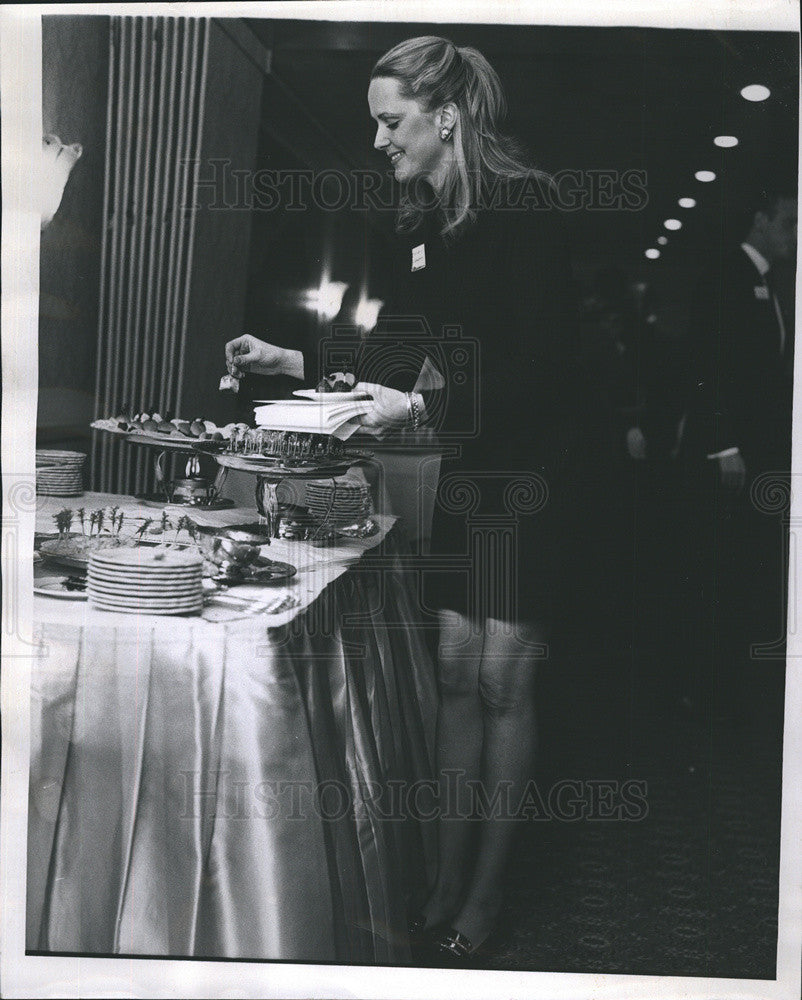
<point x="672" y="224"/>
<point x="687" y="203"/>
<point x="662" y="240"/>
<point x="652" y="254"/>
<point x="726" y="141"/>
<point x="705" y="176"/>
<point x="755" y="92"/>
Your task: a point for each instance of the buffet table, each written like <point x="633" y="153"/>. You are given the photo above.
<point x="220" y="785"/>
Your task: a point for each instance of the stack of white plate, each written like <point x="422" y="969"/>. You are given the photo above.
<point x="340" y="503"/>
<point x="60" y="473"/>
<point x="146" y="581"/>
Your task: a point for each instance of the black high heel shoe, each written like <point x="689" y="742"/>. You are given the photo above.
<point x="453" y="948"/>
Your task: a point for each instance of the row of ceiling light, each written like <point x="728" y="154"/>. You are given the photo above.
<point x="754" y="92"/>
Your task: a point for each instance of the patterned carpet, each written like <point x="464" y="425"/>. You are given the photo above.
<point x="691" y="889"/>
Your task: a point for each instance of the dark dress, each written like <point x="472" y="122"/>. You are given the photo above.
<point x="493" y="311"/>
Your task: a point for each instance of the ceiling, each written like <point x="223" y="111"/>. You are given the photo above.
<point x="609" y="99"/>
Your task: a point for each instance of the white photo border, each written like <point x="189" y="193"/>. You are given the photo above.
<point x="36" y="976"/>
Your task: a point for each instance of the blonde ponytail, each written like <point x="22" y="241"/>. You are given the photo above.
<point x="434" y="71"/>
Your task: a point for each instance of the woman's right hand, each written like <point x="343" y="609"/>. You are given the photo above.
<point x="249" y="354"/>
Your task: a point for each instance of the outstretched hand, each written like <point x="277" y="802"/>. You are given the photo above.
<point x="249" y="354"/>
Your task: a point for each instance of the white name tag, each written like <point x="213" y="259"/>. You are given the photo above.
<point x="761" y="292"/>
<point x="419" y="257"/>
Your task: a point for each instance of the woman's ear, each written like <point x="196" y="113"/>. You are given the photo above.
<point x="448" y="116"/>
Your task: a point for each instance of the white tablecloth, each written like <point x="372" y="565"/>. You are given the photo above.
<point x="221" y="789"/>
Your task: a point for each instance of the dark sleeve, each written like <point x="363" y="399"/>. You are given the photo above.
<point x="311" y="365"/>
<point x="543" y="303"/>
<point x="535" y="358"/>
<point x="395" y="351"/>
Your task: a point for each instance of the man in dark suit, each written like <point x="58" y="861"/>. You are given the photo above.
<point x="737" y="445"/>
<point x="741" y="416"/>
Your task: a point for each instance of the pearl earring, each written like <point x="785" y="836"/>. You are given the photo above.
<point x="445" y="134"/>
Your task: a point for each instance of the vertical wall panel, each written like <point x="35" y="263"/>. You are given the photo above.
<point x="157" y="78"/>
<point x="220" y="245"/>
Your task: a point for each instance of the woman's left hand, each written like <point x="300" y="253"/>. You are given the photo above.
<point x="388" y="411"/>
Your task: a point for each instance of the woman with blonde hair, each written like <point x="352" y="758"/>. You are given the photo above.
<point x="481" y="256"/>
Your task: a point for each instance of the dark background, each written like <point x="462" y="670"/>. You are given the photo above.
<point x="584" y="99"/>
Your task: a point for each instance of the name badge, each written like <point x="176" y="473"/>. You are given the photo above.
<point x="419" y="257"/>
<point x="761" y="292"/>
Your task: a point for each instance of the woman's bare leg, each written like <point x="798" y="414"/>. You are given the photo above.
<point x="507" y="688"/>
<point x="459" y="748"/>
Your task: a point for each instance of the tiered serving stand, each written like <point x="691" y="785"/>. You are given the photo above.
<point x="193" y="490"/>
<point x="270" y="472"/>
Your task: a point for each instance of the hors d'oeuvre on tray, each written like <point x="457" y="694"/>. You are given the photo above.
<point x="156" y="427"/>
<point x="82" y="532"/>
<point x="100" y="529"/>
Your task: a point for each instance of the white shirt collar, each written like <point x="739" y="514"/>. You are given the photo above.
<point x="756" y="257"/>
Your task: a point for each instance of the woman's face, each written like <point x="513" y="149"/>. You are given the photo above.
<point x="406" y="133"/>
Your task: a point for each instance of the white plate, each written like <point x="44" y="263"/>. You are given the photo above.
<point x="145" y="581"/>
<point x="108" y="601"/>
<point x="104" y="602"/>
<point x="129" y="559"/>
<point x="58" y="454"/>
<point x="118" y="589"/>
<point x="173" y="580"/>
<point x="136" y="595"/>
<point x="150" y="611"/>
<point x="55" y="588"/>
<point x="282" y="402"/>
<point x="159" y="593"/>
<point x="331" y="397"/>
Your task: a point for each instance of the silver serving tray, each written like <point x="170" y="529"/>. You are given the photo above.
<point x="167" y="442"/>
<point x="267" y="466"/>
